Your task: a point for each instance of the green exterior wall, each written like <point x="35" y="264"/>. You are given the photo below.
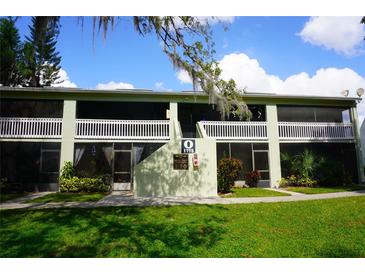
<point x="274" y="148"/>
<point x="156" y="177"/>
<point x="356" y="128"/>
<point x="68" y="132"/>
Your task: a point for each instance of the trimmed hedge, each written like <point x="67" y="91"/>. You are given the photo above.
<point x="68" y="182"/>
<point x="76" y="184"/>
<point x="293" y="180"/>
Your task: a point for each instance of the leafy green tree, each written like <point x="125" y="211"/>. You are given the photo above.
<point x="40" y="60"/>
<point x="10" y="52"/>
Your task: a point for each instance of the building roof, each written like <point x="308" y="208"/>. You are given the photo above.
<point x="80" y="93"/>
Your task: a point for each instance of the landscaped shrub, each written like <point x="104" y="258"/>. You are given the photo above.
<point x="229" y="170"/>
<point x="68" y="171"/>
<point x="293" y="180"/>
<point x="70" y="185"/>
<point x="309" y="169"/>
<point x="68" y="182"/>
<point x="252" y="178"/>
<point x="305" y="164"/>
<point x="75" y="184"/>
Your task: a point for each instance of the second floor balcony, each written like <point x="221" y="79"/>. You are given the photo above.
<point x="101" y="129"/>
<point x="288" y="131"/>
<point x="309" y="131"/>
<point x="122" y="129"/>
<point x="97" y="129"/>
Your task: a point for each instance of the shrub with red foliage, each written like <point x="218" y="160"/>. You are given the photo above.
<point x="229" y="170"/>
<point x="252" y="178"/>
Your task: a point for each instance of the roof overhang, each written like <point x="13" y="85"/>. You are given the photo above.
<point x="165" y="96"/>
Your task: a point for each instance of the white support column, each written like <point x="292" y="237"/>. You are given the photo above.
<point x="274" y="148"/>
<point x="356" y="129"/>
<point x="173" y="116"/>
<point x="68" y="131"/>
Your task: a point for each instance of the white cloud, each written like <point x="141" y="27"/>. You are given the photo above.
<point x="246" y="72"/>
<point x="249" y="74"/>
<point x="211" y="20"/>
<point x="184" y="77"/>
<point x="342" y="34"/>
<point x="216" y="19"/>
<point x="65" y="80"/>
<point x="160" y="86"/>
<point x="114" y="85"/>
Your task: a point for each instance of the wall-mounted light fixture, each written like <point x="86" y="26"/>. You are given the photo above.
<point x="360" y="92"/>
<point x="345" y="92"/>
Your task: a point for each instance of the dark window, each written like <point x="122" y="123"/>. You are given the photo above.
<point x="122" y="110"/>
<point x="313" y="114"/>
<point x="258" y="112"/>
<point x="265" y="175"/>
<point x="331" y="115"/>
<point x="50" y="161"/>
<point x="260" y="146"/>
<point x="243" y="152"/>
<point x="222" y="151"/>
<point x="93" y="159"/>
<point x="261" y="160"/>
<point x="122" y="146"/>
<point x="143" y="150"/>
<point x="51" y="145"/>
<point x="342" y="155"/>
<point x="24" y="167"/>
<point x="122" y="161"/>
<point x="31" y="108"/>
<point x="295" y="114"/>
<point x="189" y="114"/>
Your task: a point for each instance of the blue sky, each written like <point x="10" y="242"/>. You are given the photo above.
<point x="288" y="55"/>
<point x="128" y="57"/>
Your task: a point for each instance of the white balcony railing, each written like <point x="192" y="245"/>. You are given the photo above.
<point x="122" y="129"/>
<point x="159" y="129"/>
<point x="30" y="127"/>
<point x="235" y="130"/>
<point x="315" y="131"/>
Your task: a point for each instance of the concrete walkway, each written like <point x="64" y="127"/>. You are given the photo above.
<point x="123" y="199"/>
<point x="286" y="191"/>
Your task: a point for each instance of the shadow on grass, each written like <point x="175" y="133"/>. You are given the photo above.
<point x="106" y="232"/>
<point x="338" y="251"/>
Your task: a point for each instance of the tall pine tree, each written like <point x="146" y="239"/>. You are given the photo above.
<point x="10" y="53"/>
<point x="41" y="61"/>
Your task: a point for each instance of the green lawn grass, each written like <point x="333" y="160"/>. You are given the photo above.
<point x="253" y="192"/>
<point x="320" y="228"/>
<point x="318" y="190"/>
<point x="69" y="197"/>
<point x="10" y="196"/>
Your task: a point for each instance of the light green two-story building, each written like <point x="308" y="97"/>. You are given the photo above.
<point x="137" y="137"/>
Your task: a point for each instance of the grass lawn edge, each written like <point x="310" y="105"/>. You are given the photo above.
<point x="60" y="197"/>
